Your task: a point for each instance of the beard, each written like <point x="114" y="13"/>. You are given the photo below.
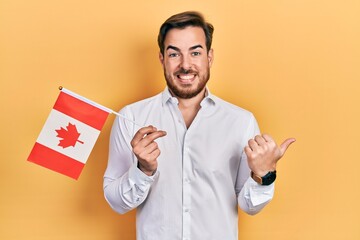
<point x="186" y="91"/>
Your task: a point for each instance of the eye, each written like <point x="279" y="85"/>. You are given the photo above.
<point x="172" y="55"/>
<point x="195" y="53"/>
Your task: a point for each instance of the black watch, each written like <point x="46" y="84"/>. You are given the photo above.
<point x="268" y="179"/>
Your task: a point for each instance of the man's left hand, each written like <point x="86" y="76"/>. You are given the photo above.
<point x="263" y="153"/>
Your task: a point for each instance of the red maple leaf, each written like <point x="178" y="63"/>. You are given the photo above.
<point x="69" y="136"/>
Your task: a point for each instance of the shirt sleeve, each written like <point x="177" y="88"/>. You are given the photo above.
<point x="125" y="185"/>
<point x="252" y="197"/>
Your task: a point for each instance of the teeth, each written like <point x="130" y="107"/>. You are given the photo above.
<point x="186" y="77"/>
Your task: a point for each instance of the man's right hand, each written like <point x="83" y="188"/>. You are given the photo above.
<point x="146" y="149"/>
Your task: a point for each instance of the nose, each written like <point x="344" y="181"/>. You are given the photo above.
<point x="185" y="62"/>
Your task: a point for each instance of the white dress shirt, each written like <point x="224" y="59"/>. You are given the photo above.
<point x="202" y="175"/>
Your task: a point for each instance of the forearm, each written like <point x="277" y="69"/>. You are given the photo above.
<point x="128" y="191"/>
<point x="254" y="197"/>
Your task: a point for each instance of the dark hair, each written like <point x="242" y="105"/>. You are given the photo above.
<point x="183" y="20"/>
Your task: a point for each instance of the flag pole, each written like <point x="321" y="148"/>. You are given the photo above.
<point x="110" y="110"/>
<point x="122" y="116"/>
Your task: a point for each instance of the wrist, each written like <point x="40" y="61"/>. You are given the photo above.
<point x="266" y="179"/>
<point x="145" y="170"/>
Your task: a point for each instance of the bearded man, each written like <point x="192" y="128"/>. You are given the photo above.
<point x="198" y="158"/>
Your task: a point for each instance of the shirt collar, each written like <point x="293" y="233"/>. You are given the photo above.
<point x="208" y="100"/>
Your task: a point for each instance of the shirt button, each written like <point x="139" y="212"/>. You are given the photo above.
<point x="186" y="210"/>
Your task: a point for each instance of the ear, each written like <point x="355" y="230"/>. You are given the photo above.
<point x="211" y="57"/>
<point x="161" y="58"/>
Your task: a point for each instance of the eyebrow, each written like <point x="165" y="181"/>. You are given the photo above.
<point x="178" y="49"/>
<point x="173" y="48"/>
<point x="196" y="46"/>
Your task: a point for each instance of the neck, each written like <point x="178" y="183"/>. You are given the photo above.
<point x="190" y="107"/>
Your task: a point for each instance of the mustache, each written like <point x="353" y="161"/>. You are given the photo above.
<point x="185" y="71"/>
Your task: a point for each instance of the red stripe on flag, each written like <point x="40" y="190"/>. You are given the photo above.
<point x="80" y="110"/>
<point x="55" y="161"/>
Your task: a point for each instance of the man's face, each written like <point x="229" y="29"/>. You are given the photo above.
<point x="186" y="61"/>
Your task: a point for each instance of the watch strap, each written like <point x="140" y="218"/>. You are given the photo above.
<point x="268" y="179"/>
<point x="256" y="178"/>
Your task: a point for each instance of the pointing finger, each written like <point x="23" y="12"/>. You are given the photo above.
<point x="284" y="146"/>
<point x="140" y="134"/>
<point x="149" y="138"/>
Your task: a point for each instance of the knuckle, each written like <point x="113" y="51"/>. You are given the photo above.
<point x="156" y="154"/>
<point x="137" y="151"/>
<point x="251" y="155"/>
<point x="265" y="148"/>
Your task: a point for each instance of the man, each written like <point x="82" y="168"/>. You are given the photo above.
<point x="187" y="179"/>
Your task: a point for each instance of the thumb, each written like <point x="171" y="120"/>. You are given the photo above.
<point x="284" y="146"/>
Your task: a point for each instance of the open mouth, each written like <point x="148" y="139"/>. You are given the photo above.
<point x="186" y="78"/>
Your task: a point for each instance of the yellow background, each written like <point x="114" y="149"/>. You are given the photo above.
<point x="295" y="64"/>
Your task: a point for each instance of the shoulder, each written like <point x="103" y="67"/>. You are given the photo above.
<point x="231" y="109"/>
<point x="239" y="122"/>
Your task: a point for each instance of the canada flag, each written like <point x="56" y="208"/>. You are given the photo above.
<point x="69" y="134"/>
